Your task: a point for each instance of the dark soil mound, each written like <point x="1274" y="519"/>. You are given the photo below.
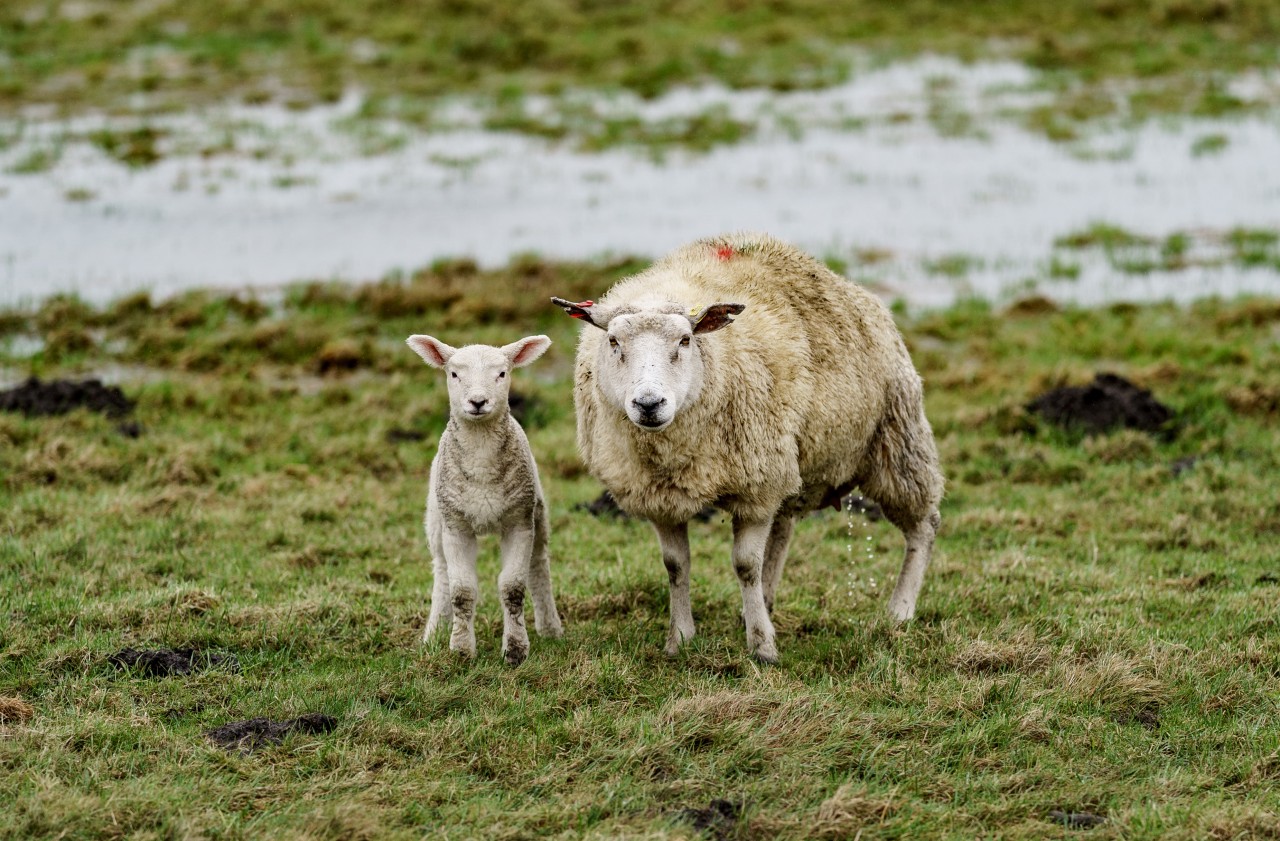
<point x="58" y="397"/>
<point x="606" y="506"/>
<point x="1109" y="402"/>
<point x="250" y="735"/>
<point x="717" y="820"/>
<point x="166" y="661"/>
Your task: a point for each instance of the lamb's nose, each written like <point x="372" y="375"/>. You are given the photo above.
<point x="648" y="404"/>
<point x="477" y="405"/>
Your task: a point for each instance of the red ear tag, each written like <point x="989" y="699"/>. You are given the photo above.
<point x="724" y="252"/>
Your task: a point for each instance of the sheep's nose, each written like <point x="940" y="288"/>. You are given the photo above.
<point x="649" y="404"/>
<point x="477" y="405"/>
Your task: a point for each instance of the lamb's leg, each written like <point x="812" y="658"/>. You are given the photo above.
<point x="920" y="536"/>
<point x="775" y="557"/>
<point x="749" y="542"/>
<point x="517" y="544"/>
<point x="545" y="616"/>
<point x="674" y="540"/>
<point x="441" y="607"/>
<point x="460" y="556"/>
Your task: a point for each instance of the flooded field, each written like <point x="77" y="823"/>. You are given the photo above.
<point x="922" y="179"/>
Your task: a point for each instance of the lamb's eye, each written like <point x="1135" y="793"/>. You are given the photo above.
<point x="684" y="342"/>
<point x="453" y="374"/>
<point x="502" y="374"/>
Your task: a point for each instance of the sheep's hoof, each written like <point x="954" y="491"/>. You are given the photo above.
<point x="901" y="612"/>
<point x="515" y="653"/>
<point x="551" y="631"/>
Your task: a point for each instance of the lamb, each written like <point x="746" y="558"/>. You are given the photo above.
<point x="808" y="393"/>
<point x="484" y="480"/>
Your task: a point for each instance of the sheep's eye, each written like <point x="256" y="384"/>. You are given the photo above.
<point x="453" y="374"/>
<point x="501" y="374"/>
<point x="684" y="342"/>
<point x="613" y="342"/>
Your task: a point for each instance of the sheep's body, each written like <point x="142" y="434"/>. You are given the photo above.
<point x="808" y="394"/>
<point x="484" y="480"/>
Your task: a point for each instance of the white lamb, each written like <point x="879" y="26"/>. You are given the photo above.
<point x="809" y="393"/>
<point x="484" y="480"/>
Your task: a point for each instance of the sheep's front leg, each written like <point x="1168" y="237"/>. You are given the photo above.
<point x="517" y="546"/>
<point x="749" y="542"/>
<point x="674" y="540"/>
<point x="460" y="556"/>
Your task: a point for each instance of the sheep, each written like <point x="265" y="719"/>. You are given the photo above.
<point x="484" y="480"/>
<point x="741" y="372"/>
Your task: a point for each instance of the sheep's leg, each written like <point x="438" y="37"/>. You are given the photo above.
<point x="545" y="616"/>
<point x="749" y="542"/>
<point x="775" y="556"/>
<point x="460" y="557"/>
<point x="920" y="536"/>
<point x="674" y="540"/>
<point x="442" y="607"/>
<point x="517" y="544"/>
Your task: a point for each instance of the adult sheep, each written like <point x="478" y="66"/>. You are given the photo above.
<point x="810" y="393"/>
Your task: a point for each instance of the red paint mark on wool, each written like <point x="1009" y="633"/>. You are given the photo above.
<point x="724" y="252"/>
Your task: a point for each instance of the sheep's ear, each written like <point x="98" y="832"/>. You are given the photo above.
<point x="526" y="350"/>
<point x="714" y="317"/>
<point x="433" y="351"/>
<point x="585" y="310"/>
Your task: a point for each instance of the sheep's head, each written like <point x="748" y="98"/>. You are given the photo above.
<point x="478" y="375"/>
<point x="649" y="365"/>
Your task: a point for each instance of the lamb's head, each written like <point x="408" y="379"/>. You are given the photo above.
<point x="650" y="363"/>
<point x="478" y="375"/>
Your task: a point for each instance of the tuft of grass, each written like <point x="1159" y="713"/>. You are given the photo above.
<point x="1104" y="603"/>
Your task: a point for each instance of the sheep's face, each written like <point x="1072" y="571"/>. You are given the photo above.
<point x="478" y="376"/>
<point x="649" y="363"/>
<point x="649" y="366"/>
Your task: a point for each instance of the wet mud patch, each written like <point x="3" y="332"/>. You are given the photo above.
<point x="248" y="736"/>
<point x="606" y="506"/>
<point x="717" y="821"/>
<point x="1109" y="402"/>
<point x="35" y="398"/>
<point x="1076" y="820"/>
<point x="165" y="662"/>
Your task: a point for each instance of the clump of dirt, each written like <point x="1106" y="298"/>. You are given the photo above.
<point x="1076" y="820"/>
<point x="399" y="435"/>
<point x="606" y="506"/>
<point x="15" y="710"/>
<point x="58" y="397"/>
<point x="165" y="662"/>
<point x="1109" y="402"/>
<point x="248" y="736"/>
<point x="718" y="820"/>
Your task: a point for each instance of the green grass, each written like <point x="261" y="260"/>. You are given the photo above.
<point x="1097" y="633"/>
<point x="1174" y="57"/>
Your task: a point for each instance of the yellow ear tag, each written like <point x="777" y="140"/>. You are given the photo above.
<point x="693" y="313"/>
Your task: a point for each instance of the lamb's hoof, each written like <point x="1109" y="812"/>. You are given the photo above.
<point x="766" y="655"/>
<point x="515" y="653"/>
<point x="553" y="631"/>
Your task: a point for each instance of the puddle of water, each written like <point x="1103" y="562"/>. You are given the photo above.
<point x="308" y="205"/>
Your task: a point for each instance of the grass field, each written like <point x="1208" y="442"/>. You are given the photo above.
<point x="1102" y="58"/>
<point x="1098" y="633"/>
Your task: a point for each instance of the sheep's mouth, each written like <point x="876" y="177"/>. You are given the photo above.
<point x="652" y="424"/>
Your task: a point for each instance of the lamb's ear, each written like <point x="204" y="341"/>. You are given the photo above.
<point x="714" y="317"/>
<point x="526" y="350"/>
<point x="585" y="310"/>
<point x="433" y="351"/>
